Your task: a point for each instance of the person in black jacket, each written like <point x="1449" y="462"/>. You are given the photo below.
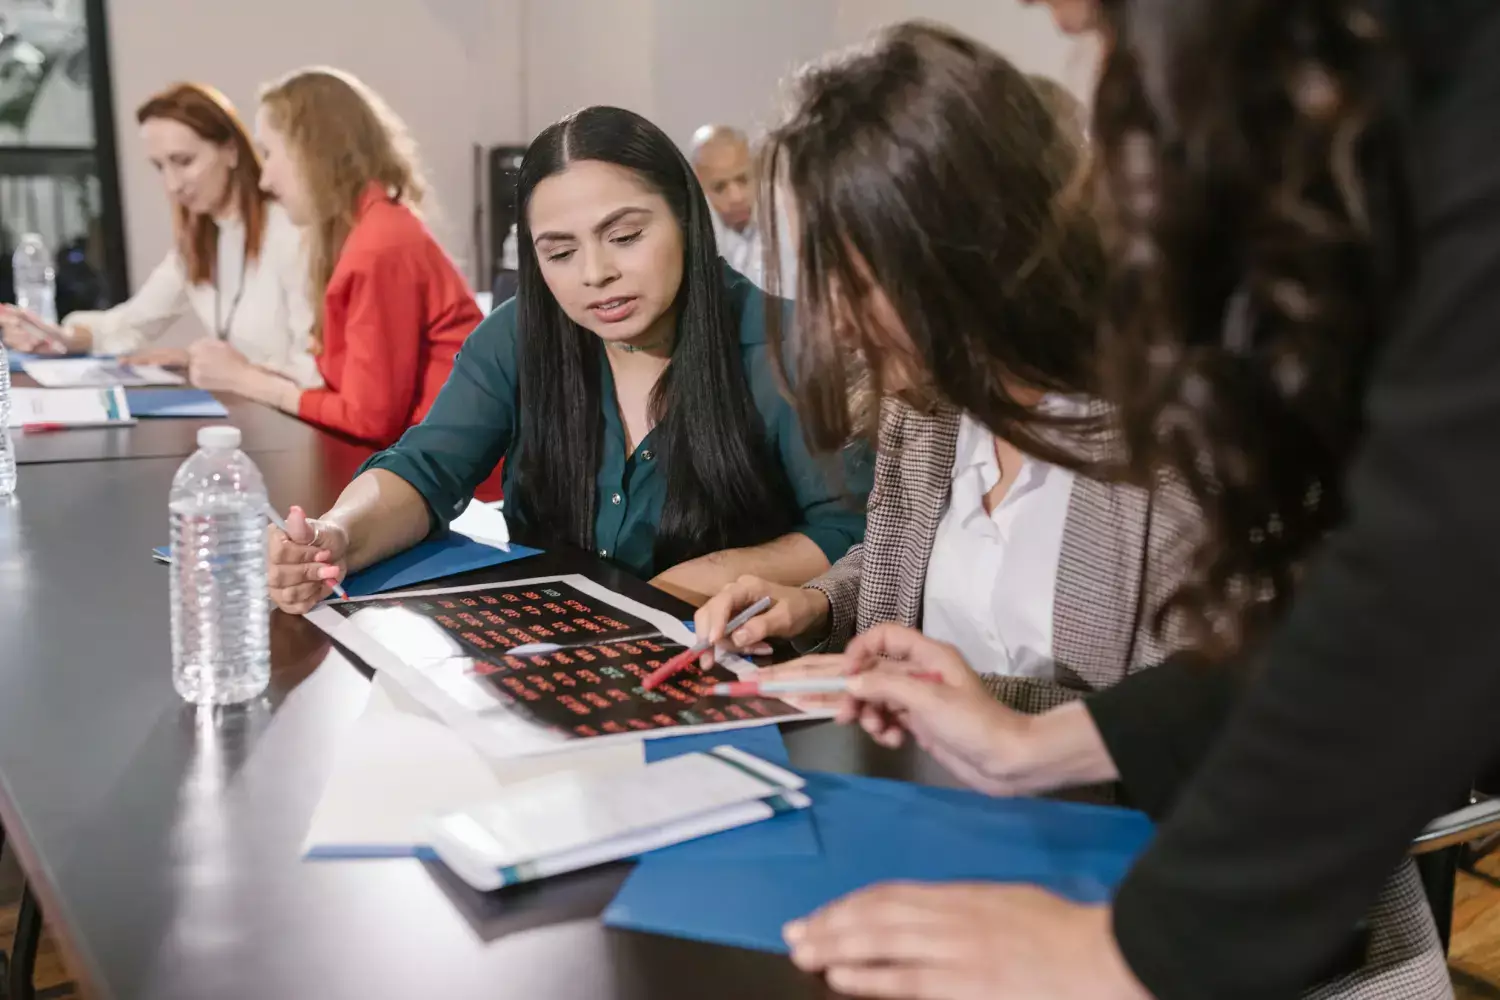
<point x="1307" y="201"/>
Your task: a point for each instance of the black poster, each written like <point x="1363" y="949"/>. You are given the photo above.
<point x="505" y="616"/>
<point x="592" y="683"/>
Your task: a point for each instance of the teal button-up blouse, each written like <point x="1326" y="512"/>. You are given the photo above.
<point x="473" y="422"/>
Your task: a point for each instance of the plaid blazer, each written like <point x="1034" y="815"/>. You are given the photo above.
<point x="1123" y="552"/>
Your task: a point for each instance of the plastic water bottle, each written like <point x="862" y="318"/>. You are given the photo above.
<point x="35" y="278"/>
<point x="510" y="258"/>
<point x="7" y="448"/>
<point x="221" y="633"/>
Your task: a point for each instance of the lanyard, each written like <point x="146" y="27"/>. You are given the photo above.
<point x="221" y="330"/>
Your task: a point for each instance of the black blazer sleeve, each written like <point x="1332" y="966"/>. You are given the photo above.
<point x="1378" y="697"/>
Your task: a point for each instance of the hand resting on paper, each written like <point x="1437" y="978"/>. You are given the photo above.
<point x="990" y="747"/>
<point x="798" y="612"/>
<point x="166" y="357"/>
<point x="25" y="331"/>
<point x="305" y="563"/>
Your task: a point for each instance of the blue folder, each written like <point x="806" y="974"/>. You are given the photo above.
<point x="874" y="831"/>
<point x="447" y="556"/>
<point x="437" y="557"/>
<point x="173" y="403"/>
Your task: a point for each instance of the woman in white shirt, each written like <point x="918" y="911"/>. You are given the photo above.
<point x="947" y="259"/>
<point x="237" y="265"/>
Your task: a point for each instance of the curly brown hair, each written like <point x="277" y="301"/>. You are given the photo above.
<point x="1239" y="312"/>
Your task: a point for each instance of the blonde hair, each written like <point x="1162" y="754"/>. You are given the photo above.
<point x="344" y="138"/>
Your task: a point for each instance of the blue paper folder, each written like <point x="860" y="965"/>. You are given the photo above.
<point x="173" y="403"/>
<point x="447" y="556"/>
<point x="874" y="831"/>
<point x="438" y="557"/>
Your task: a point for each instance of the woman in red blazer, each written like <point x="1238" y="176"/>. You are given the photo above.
<point x="395" y="309"/>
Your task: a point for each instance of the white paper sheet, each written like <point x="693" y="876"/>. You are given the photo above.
<point x="484" y="524"/>
<point x="69" y="407"/>
<point x="573" y="819"/>
<point x="55" y="373"/>
<point x="399" y="767"/>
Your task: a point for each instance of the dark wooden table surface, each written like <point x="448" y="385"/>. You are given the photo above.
<point x="164" y="842"/>
<point x="264" y="429"/>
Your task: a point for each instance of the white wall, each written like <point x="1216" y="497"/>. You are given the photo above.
<point x="1024" y="34"/>
<point x="496" y="71"/>
<point x="448" y="67"/>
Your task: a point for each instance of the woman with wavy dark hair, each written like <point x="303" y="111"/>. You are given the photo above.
<point x="1306" y="222"/>
<point x="628" y="389"/>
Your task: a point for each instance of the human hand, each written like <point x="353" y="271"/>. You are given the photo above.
<point x="213" y="364"/>
<point x="305" y="561"/>
<point x="963" y="941"/>
<point x="795" y="611"/>
<point x="166" y="357"/>
<point x="25" y="331"/>
<point x="901" y="682"/>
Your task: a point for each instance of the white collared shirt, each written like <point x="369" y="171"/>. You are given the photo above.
<point x="744" y="250"/>
<point x="991" y="576"/>
<point x="263" y="304"/>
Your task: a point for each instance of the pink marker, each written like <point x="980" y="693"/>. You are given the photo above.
<point x="809" y="685"/>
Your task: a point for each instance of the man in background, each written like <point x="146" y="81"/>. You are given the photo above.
<point x="721" y="158"/>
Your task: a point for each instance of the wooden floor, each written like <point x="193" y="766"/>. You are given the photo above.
<point x="1474" y="958"/>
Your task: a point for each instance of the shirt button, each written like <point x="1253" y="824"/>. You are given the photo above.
<point x="604" y="553"/>
<point x="646" y="455"/>
<point x="615" y="499"/>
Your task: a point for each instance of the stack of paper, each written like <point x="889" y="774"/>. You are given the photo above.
<point x="399" y="767"/>
<point x="57" y="373"/>
<point x="57" y="409"/>
<point x="571" y="820"/>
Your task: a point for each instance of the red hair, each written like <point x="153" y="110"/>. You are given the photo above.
<point x="212" y="118"/>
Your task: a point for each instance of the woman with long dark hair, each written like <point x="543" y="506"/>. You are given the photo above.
<point x="628" y="388"/>
<point x="1306" y="209"/>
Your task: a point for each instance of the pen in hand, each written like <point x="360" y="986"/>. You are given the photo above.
<point x="277" y="520"/>
<point x="686" y="657"/>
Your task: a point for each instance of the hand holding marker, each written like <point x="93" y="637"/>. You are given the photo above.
<point x="686" y="657"/>
<point x="277" y="520"/>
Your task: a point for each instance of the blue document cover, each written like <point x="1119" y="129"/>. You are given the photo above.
<point x="435" y="558"/>
<point x="173" y="403"/>
<point x="431" y="560"/>
<point x="872" y="830"/>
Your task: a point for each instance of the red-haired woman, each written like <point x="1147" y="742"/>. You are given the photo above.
<point x="237" y="261"/>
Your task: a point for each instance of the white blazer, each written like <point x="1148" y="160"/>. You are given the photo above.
<point x="264" y="302"/>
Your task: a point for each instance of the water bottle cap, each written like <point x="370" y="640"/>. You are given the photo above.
<point x="219" y="436"/>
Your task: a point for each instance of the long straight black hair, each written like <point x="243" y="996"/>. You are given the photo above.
<point x="725" y="487"/>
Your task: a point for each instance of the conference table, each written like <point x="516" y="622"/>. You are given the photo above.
<point x="164" y="841"/>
